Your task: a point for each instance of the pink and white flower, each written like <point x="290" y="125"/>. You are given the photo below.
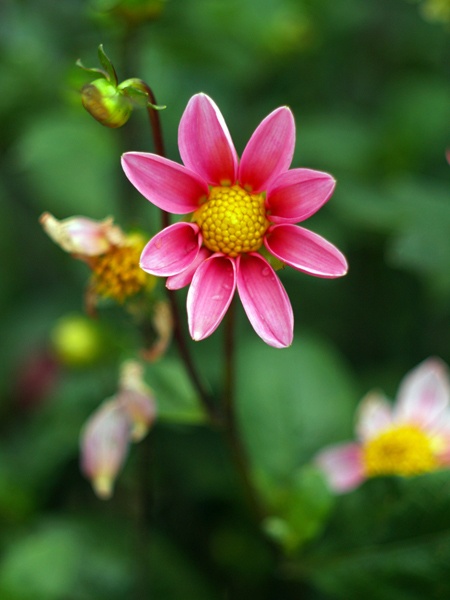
<point x="104" y="443"/>
<point x="410" y="438"/>
<point x="106" y="436"/>
<point x="238" y="207"/>
<point x="82" y="236"/>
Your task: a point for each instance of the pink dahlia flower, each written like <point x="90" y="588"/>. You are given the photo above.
<point x="238" y="207"/>
<point x="410" y="438"/>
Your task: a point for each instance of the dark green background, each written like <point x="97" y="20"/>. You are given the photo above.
<point x="369" y="84"/>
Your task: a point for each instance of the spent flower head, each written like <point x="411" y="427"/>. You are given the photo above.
<point x="106" y="436"/>
<point x="112" y="255"/>
<point x="104" y="443"/>
<point x="240" y="211"/>
<point x="410" y="438"/>
<point x="136" y="397"/>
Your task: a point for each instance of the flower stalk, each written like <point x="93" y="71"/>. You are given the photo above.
<point x="230" y="425"/>
<point x="158" y="141"/>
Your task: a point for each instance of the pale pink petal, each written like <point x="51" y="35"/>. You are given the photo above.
<point x="305" y="251"/>
<point x="342" y="466"/>
<point x="265" y="300"/>
<point x="424" y="394"/>
<point x="176" y="282"/>
<point x="297" y="194"/>
<point x="374" y="414"/>
<point x="205" y="143"/>
<point x="210" y="295"/>
<point x="269" y="151"/>
<point x="171" y="250"/>
<point x="165" y="183"/>
<point x="441" y="440"/>
<point x="104" y="443"/>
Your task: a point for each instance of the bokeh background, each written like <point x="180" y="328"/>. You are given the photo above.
<point x="369" y="85"/>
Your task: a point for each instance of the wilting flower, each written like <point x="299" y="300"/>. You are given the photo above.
<point x="104" y="446"/>
<point x="410" y="438"/>
<point x="237" y="209"/>
<point x="125" y="417"/>
<point x="136" y="398"/>
<point x="81" y="235"/>
<point x="162" y="322"/>
<point x="117" y="274"/>
<point x="112" y="255"/>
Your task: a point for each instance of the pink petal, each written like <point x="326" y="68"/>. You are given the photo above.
<point x="265" y="300"/>
<point x="297" y="194"/>
<point x="165" y="183"/>
<point x="374" y="415"/>
<point x="171" y="250"/>
<point x="342" y="466"/>
<point x="104" y="443"/>
<point x="205" y="143"/>
<point x="176" y="282"/>
<point x="269" y="151"/>
<point x="210" y="295"/>
<point x="424" y="394"/>
<point x="305" y="251"/>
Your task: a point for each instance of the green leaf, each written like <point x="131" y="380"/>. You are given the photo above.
<point x="389" y="540"/>
<point x="175" y="397"/>
<point x="299" y="510"/>
<point x="64" y="558"/>
<point x="41" y="566"/>
<point x="291" y="402"/>
<point x="138" y="96"/>
<point x="156" y="106"/>
<point x="93" y="71"/>
<point x="107" y="65"/>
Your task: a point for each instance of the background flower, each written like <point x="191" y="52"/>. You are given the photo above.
<point x="410" y="438"/>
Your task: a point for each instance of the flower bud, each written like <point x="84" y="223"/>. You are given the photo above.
<point x="81" y="235"/>
<point x="76" y="341"/>
<point x="137" y="399"/>
<point x="108" y="105"/>
<point x="104" y="446"/>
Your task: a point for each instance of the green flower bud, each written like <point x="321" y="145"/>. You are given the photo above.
<point x="76" y="341"/>
<point x="108" y="105"/>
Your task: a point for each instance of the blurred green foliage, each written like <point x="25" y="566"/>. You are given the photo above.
<point x="369" y="85"/>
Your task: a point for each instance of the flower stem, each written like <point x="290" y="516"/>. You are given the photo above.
<point x="158" y="141"/>
<point x="231" y="430"/>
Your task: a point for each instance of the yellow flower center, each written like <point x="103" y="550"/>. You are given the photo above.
<point x="232" y="221"/>
<point x="117" y="273"/>
<point x="404" y="450"/>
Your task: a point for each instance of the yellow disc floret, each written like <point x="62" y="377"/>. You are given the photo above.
<point x="232" y="221"/>
<point x="403" y="450"/>
<point x="117" y="273"/>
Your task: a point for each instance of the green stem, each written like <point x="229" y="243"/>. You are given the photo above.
<point x="231" y="429"/>
<point x="158" y="141"/>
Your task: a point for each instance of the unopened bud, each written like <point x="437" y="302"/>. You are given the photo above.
<point x="81" y="235"/>
<point x="104" y="446"/>
<point x="76" y="340"/>
<point x="137" y="399"/>
<point x="106" y="103"/>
